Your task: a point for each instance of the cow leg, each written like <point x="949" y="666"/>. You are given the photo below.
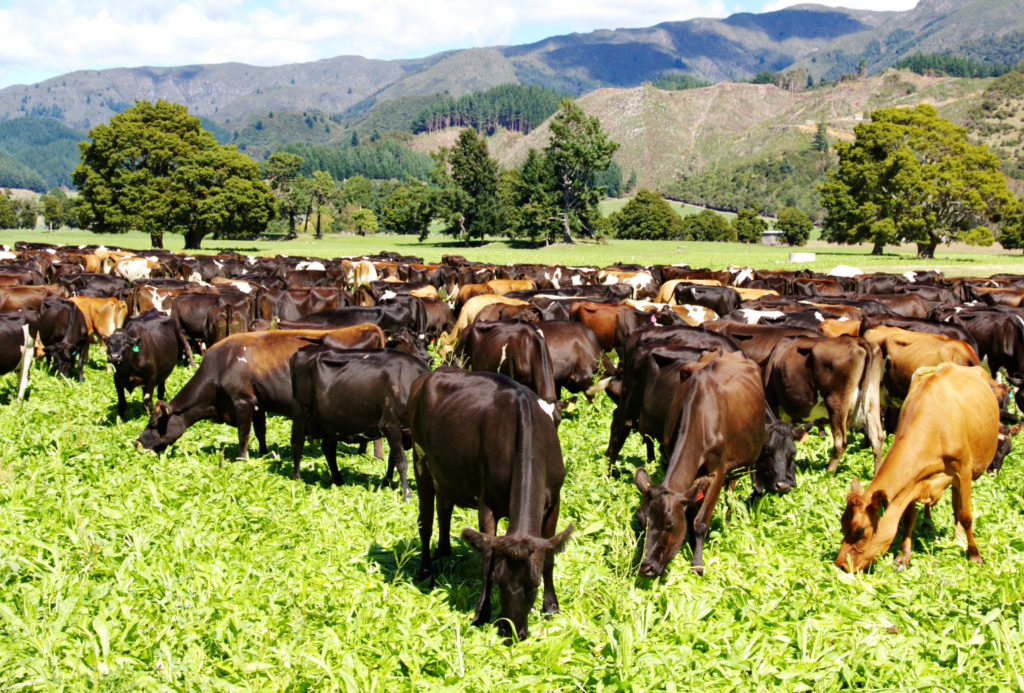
<point x="243" y="419"/>
<point x="549" y="604"/>
<point x="122" y="402"/>
<point x="617" y="438"/>
<point x="82" y="358"/>
<point x="444" y="526"/>
<point x="397" y="460"/>
<point x="161" y="390"/>
<point x="837" y="422"/>
<point x="378" y="448"/>
<point x="27" y="352"/>
<point x="909" y="519"/>
<point x="702" y="522"/>
<point x="425" y="492"/>
<point x="649" y="442"/>
<point x="147" y="397"/>
<point x="298" y="441"/>
<point x="329" y="445"/>
<point x="259" y="425"/>
<point x="488" y="526"/>
<point x="962" y="517"/>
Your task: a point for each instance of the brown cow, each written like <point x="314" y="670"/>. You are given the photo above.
<point x="103" y="316"/>
<point x="947" y="434"/>
<point x="240" y="380"/>
<point x="841" y="373"/>
<point x="716" y="424"/>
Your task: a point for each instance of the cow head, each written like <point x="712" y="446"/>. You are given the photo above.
<point x="164" y="427"/>
<point x="518" y="570"/>
<point x="662" y="515"/>
<point x="410" y="343"/>
<point x="120" y="345"/>
<point x="775" y="471"/>
<point x="867" y="528"/>
<point x="63" y="355"/>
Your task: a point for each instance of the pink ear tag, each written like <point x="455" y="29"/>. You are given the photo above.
<point x="654" y="319"/>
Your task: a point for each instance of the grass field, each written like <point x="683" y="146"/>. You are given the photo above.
<point x="121" y="570"/>
<point x="957" y="260"/>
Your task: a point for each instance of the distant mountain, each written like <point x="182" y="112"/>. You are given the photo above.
<point x="349" y="99"/>
<point x="233" y="95"/>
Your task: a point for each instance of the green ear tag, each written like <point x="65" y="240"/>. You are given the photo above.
<point x="881" y="511"/>
<point x="135" y="347"/>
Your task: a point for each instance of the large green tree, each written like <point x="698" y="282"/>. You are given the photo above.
<point x="408" y="209"/>
<point x="749" y="226"/>
<point x="281" y="171"/>
<point x="795" y="225"/>
<point x="708" y="225"/>
<point x="146" y="168"/>
<point x="647" y="217"/>
<point x="468" y="201"/>
<point x="578" y="150"/>
<point x="8" y="218"/>
<point x="912" y="176"/>
<point x="531" y="200"/>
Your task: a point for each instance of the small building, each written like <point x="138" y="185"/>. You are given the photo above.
<point x="771" y="237"/>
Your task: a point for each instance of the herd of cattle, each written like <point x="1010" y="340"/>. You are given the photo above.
<point x="716" y="367"/>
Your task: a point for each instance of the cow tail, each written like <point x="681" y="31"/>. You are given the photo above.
<point x="869" y="408"/>
<point x="523" y="457"/>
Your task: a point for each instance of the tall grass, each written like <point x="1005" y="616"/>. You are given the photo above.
<point x="122" y="570"/>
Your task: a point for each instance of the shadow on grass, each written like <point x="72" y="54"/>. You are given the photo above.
<point x="458" y="575"/>
<point x="314" y="469"/>
<point x="135" y="410"/>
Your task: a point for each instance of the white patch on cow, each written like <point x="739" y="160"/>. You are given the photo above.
<point x="910" y="275"/>
<point x="242" y="359"/>
<point x="845" y="271"/>
<point x="504" y="355"/>
<point x="194" y="277"/>
<point x="7" y="255"/>
<point x="577" y="280"/>
<point x="388" y="295"/>
<point x="696" y="313"/>
<point x="244" y="287"/>
<point x="556" y="277"/>
<point x="27" y="352"/>
<point x="741" y="275"/>
<point x="311" y="265"/>
<point x="751" y="316"/>
<point x="51" y="251"/>
<point x="819" y="317"/>
<point x="548" y="407"/>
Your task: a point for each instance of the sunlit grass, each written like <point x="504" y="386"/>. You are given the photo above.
<point x="122" y="570"/>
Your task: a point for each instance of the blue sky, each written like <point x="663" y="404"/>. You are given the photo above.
<point x="52" y="37"/>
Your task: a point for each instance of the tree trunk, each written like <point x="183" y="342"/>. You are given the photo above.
<point x="156" y="240"/>
<point x="926" y="251"/>
<point x="877" y="250"/>
<point x="291" y="224"/>
<point x="319" y="235"/>
<point x="566" y="230"/>
<point x="193" y="237"/>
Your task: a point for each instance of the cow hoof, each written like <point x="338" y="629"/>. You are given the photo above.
<point x="899" y="566"/>
<point x="698" y="570"/>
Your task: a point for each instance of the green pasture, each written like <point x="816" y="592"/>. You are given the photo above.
<point x="957" y="260"/>
<point x="122" y="570"/>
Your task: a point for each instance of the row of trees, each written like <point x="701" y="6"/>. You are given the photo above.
<point x="649" y="217"/>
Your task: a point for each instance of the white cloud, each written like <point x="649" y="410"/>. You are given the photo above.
<point x="49" y="38"/>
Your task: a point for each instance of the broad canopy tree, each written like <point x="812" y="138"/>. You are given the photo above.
<point x="154" y="168"/>
<point x="912" y="176"/>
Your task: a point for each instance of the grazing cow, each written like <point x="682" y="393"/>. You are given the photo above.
<point x="240" y="380"/>
<point x="64" y="335"/>
<point x="948" y="434"/>
<point x="613" y="323"/>
<point x="502" y="457"/>
<point x="353" y="394"/>
<point x="17" y="337"/>
<point x="721" y="299"/>
<point x="840" y="373"/>
<point x="716" y="425"/>
<point x="516" y="349"/>
<point x="144" y="353"/>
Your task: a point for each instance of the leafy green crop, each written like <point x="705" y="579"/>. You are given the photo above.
<point x="122" y="570"/>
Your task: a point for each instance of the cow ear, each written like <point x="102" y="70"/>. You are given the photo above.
<point x="642" y="480"/>
<point x="556" y="543"/>
<point x="161" y="408"/>
<point x="800" y="432"/>
<point x="854" y="497"/>
<point x="881" y="499"/>
<point x="480" y="542"/>
<point x="855" y="486"/>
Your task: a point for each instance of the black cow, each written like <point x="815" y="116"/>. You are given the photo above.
<point x="144" y="352"/>
<point x="721" y="299"/>
<point x="497" y="450"/>
<point x="349" y="395"/>
<point x="65" y="336"/>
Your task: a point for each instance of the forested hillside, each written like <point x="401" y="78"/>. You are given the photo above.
<point x="37" y="153"/>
